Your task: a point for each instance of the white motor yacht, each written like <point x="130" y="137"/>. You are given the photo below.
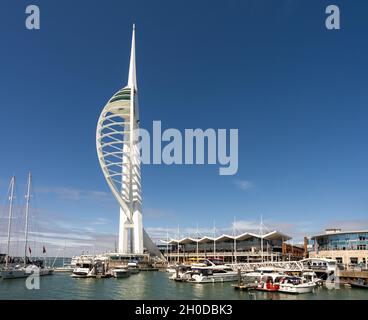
<point x="180" y="271"/>
<point x="311" y="276"/>
<point x="81" y="272"/>
<point x="211" y="275"/>
<point x="120" y="272"/>
<point x="133" y="267"/>
<point x="64" y="268"/>
<point x="83" y="268"/>
<point x="296" y="285"/>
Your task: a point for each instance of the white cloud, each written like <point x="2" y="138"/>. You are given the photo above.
<point x="244" y="184"/>
<point x="246" y="225"/>
<point x="68" y="193"/>
<point x="100" y="221"/>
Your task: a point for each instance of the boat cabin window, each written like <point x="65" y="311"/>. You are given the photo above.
<point x="207" y="272"/>
<point x="219" y="271"/>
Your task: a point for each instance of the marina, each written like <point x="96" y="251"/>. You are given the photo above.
<point x="12" y="269"/>
<point x="257" y="123"/>
<point x="155" y="285"/>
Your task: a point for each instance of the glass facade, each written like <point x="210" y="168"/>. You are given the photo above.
<point x="248" y="245"/>
<point x="341" y="241"/>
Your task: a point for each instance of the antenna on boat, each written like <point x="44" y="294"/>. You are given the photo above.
<point x="214" y="239"/>
<point x="28" y="197"/>
<point x="197" y="243"/>
<point x="167" y="244"/>
<point x="11" y="199"/>
<point x="261" y="235"/>
<point x="178" y="242"/>
<point x="234" y="235"/>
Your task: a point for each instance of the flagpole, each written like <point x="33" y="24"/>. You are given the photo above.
<point x="44" y="255"/>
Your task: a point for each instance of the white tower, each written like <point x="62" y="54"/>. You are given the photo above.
<point x="118" y="154"/>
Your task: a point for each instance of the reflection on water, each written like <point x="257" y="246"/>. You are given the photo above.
<point x="152" y="285"/>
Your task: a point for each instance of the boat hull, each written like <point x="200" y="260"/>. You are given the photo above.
<point x="13" y="274"/>
<point x="80" y="273"/>
<point x="358" y="285"/>
<point x="268" y="287"/>
<point x="66" y="270"/>
<point x="133" y="270"/>
<point x="297" y="289"/>
<point x="120" y="274"/>
<point x="214" y="279"/>
<point x="22" y="273"/>
<point x="267" y="290"/>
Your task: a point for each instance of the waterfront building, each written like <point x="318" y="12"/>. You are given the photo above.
<point x="245" y="247"/>
<point x="349" y="248"/>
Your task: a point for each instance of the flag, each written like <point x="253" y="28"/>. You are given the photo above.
<point x="43" y="250"/>
<point x="29" y="249"/>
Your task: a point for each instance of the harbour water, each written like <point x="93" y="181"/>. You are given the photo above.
<point x="152" y="285"/>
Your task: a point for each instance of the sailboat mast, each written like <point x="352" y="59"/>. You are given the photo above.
<point x="12" y="183"/>
<point x="261" y="231"/>
<point x="28" y="196"/>
<point x="167" y="244"/>
<point x="214" y="239"/>
<point x="234" y="235"/>
<point x="64" y="254"/>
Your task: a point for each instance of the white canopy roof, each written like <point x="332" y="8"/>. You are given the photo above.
<point x="274" y="235"/>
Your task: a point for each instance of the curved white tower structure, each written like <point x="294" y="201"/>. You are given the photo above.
<point x="118" y="155"/>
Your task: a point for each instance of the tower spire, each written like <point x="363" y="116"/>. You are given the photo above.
<point x="132" y="79"/>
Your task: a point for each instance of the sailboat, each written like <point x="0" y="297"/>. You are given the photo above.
<point x="21" y="271"/>
<point x="65" y="267"/>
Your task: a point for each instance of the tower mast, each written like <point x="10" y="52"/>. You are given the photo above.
<point x="118" y="152"/>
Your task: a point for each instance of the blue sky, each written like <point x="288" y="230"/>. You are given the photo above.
<point x="296" y="91"/>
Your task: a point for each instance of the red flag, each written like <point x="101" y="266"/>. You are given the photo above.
<point x="29" y="249"/>
<point x="44" y="249"/>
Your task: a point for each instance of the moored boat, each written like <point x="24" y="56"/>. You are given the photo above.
<point x="23" y="272"/>
<point x="120" y="272"/>
<point x="12" y="270"/>
<point x="83" y="268"/>
<point x="179" y="272"/>
<point x="270" y="282"/>
<point x="81" y="272"/>
<point x="133" y="267"/>
<point x="296" y="285"/>
<point x="360" y="283"/>
<point x="64" y="268"/>
<point x="212" y="275"/>
<point x="204" y="271"/>
<point x="312" y="277"/>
